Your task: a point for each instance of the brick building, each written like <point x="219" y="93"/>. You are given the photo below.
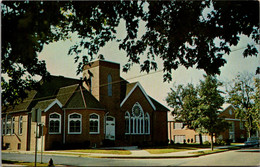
<point x="178" y="133"/>
<point x="103" y="109"/>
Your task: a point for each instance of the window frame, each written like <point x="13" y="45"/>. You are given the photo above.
<point x="147" y="118"/>
<point x="137" y="121"/>
<point x="127" y="116"/>
<point x="179" y="127"/>
<point x="8" y="125"/>
<point x="55" y="119"/>
<point x="94" y="119"/>
<point x="74" y="119"/>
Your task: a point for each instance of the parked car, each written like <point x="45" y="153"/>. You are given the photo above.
<point x="252" y="141"/>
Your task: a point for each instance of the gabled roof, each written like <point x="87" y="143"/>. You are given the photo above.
<point x="225" y="106"/>
<point x="45" y="105"/>
<point x="130" y="89"/>
<point x="58" y="90"/>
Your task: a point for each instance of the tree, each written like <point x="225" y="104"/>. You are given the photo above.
<point x="244" y="94"/>
<point x="210" y="107"/>
<point x="184" y="101"/>
<point x="178" y="32"/>
<point x="199" y="108"/>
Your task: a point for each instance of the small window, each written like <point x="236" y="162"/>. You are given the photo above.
<point x="20" y="125"/>
<point x="230" y="112"/>
<point x="242" y="126"/>
<point x="109" y="85"/>
<point x="74" y="123"/>
<point x="19" y="146"/>
<point x="55" y="123"/>
<point x="178" y="125"/>
<point x="94" y="124"/>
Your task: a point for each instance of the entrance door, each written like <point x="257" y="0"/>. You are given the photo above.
<point x="110" y="128"/>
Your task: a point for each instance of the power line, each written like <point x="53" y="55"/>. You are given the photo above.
<point x="114" y="82"/>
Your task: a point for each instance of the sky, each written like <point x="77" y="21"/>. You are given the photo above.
<point x="58" y="62"/>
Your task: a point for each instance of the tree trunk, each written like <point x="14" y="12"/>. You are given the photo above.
<point x="200" y="136"/>
<point x="211" y="135"/>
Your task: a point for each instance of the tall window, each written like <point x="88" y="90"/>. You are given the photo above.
<point x="109" y="85"/>
<point x="9" y="125"/>
<point x="137" y="122"/>
<point x="3" y="126"/>
<point x="127" y="123"/>
<point x="74" y="122"/>
<point x="94" y="124"/>
<point x="20" y="125"/>
<point x="55" y="123"/>
<point x="13" y="124"/>
<point x="147" y="124"/>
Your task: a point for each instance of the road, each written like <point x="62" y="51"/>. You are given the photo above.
<point x="244" y="157"/>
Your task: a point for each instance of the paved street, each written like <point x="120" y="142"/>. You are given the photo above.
<point x="243" y="157"/>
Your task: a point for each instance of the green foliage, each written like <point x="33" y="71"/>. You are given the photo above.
<point x="188" y="33"/>
<point x="184" y="102"/>
<point x="244" y="94"/>
<point x="199" y="108"/>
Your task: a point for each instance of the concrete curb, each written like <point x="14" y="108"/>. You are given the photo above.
<point x="96" y="155"/>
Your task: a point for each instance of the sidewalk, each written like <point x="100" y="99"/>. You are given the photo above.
<point x="136" y="153"/>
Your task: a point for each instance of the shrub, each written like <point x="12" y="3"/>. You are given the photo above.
<point x="206" y="143"/>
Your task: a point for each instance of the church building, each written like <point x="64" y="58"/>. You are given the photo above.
<point x="103" y="109"/>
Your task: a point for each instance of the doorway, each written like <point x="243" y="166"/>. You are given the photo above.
<point x="110" y="128"/>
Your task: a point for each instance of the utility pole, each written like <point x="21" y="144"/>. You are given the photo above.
<point x="36" y="143"/>
<point x="36" y="117"/>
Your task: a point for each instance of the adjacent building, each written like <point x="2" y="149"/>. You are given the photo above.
<point x="103" y="109"/>
<point x="179" y="133"/>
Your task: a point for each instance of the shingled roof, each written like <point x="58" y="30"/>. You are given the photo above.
<point x="65" y="90"/>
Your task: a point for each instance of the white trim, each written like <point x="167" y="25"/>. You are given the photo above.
<point x="56" y="101"/>
<point x="55" y="119"/>
<point x="142" y="89"/>
<point x="69" y="119"/>
<point x="232" y="119"/>
<point x="90" y="119"/>
<point x="228" y="106"/>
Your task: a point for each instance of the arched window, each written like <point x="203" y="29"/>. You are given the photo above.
<point x="127" y="123"/>
<point x="94" y="124"/>
<point x="109" y="85"/>
<point x="147" y="124"/>
<point x="54" y="123"/>
<point x="74" y="122"/>
<point x="137" y="119"/>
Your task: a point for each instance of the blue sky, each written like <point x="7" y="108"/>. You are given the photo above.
<point x="59" y="63"/>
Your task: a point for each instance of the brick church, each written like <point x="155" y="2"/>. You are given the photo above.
<point x="103" y="109"/>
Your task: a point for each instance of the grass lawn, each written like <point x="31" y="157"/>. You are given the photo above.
<point x="99" y="151"/>
<point x="208" y="151"/>
<point x="174" y="148"/>
<point x="23" y="163"/>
